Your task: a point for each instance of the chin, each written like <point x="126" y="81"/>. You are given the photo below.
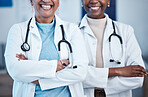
<point x="48" y="15"/>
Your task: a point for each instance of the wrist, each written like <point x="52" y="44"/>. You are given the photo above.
<point x="117" y="71"/>
<point x="114" y="72"/>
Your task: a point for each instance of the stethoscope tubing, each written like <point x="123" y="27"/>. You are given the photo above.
<point x="118" y="61"/>
<point x="26" y="47"/>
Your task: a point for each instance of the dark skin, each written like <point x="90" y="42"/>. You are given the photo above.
<point x="95" y="10"/>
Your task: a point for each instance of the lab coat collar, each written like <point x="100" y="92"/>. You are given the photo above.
<point x="84" y="25"/>
<point x="34" y="29"/>
<point x="33" y="22"/>
<point x="108" y="30"/>
<point x="84" y="22"/>
<point x="57" y="33"/>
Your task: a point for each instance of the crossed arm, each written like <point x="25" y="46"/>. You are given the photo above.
<point x="59" y="64"/>
<point x="127" y="71"/>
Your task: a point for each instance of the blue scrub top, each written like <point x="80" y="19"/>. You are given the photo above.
<point x="49" y="52"/>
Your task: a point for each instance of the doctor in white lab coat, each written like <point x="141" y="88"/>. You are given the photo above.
<point x="111" y="79"/>
<point x="49" y="74"/>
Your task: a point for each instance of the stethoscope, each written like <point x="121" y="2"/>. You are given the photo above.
<point x="26" y="47"/>
<point x="118" y="61"/>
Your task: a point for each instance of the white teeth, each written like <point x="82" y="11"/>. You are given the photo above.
<point x="94" y="8"/>
<point x="46" y="6"/>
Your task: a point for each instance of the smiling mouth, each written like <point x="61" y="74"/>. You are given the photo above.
<point x="94" y="8"/>
<point x="46" y="6"/>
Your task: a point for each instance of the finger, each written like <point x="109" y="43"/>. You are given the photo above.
<point x="17" y="55"/>
<point x="68" y="62"/>
<point x="138" y="73"/>
<point x="138" y="68"/>
<point x="23" y="57"/>
<point x="21" y="54"/>
<point x="141" y="69"/>
<point x="63" y="67"/>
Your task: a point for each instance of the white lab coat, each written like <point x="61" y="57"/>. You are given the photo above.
<point x="26" y="71"/>
<point x="98" y="77"/>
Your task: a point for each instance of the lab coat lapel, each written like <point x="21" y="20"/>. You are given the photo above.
<point x="57" y="33"/>
<point x="34" y="29"/>
<point x="58" y="36"/>
<point x="109" y="29"/>
<point x="36" y="42"/>
<point x="84" y="25"/>
<point x="90" y="39"/>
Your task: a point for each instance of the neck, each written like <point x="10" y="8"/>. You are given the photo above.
<point x="44" y="19"/>
<point x="96" y="16"/>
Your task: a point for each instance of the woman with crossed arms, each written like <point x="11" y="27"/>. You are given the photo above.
<point x="115" y="63"/>
<point x="38" y="71"/>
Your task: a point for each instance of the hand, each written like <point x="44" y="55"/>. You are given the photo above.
<point x="21" y="57"/>
<point x="60" y="66"/>
<point x="132" y="71"/>
<point x="66" y="62"/>
<point x="128" y="71"/>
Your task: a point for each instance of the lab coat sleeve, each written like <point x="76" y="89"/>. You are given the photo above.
<point x="70" y="76"/>
<point x="133" y="57"/>
<point x="96" y="77"/>
<point x="25" y="70"/>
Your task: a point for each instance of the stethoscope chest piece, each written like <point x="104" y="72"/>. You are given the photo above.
<point x="25" y="47"/>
